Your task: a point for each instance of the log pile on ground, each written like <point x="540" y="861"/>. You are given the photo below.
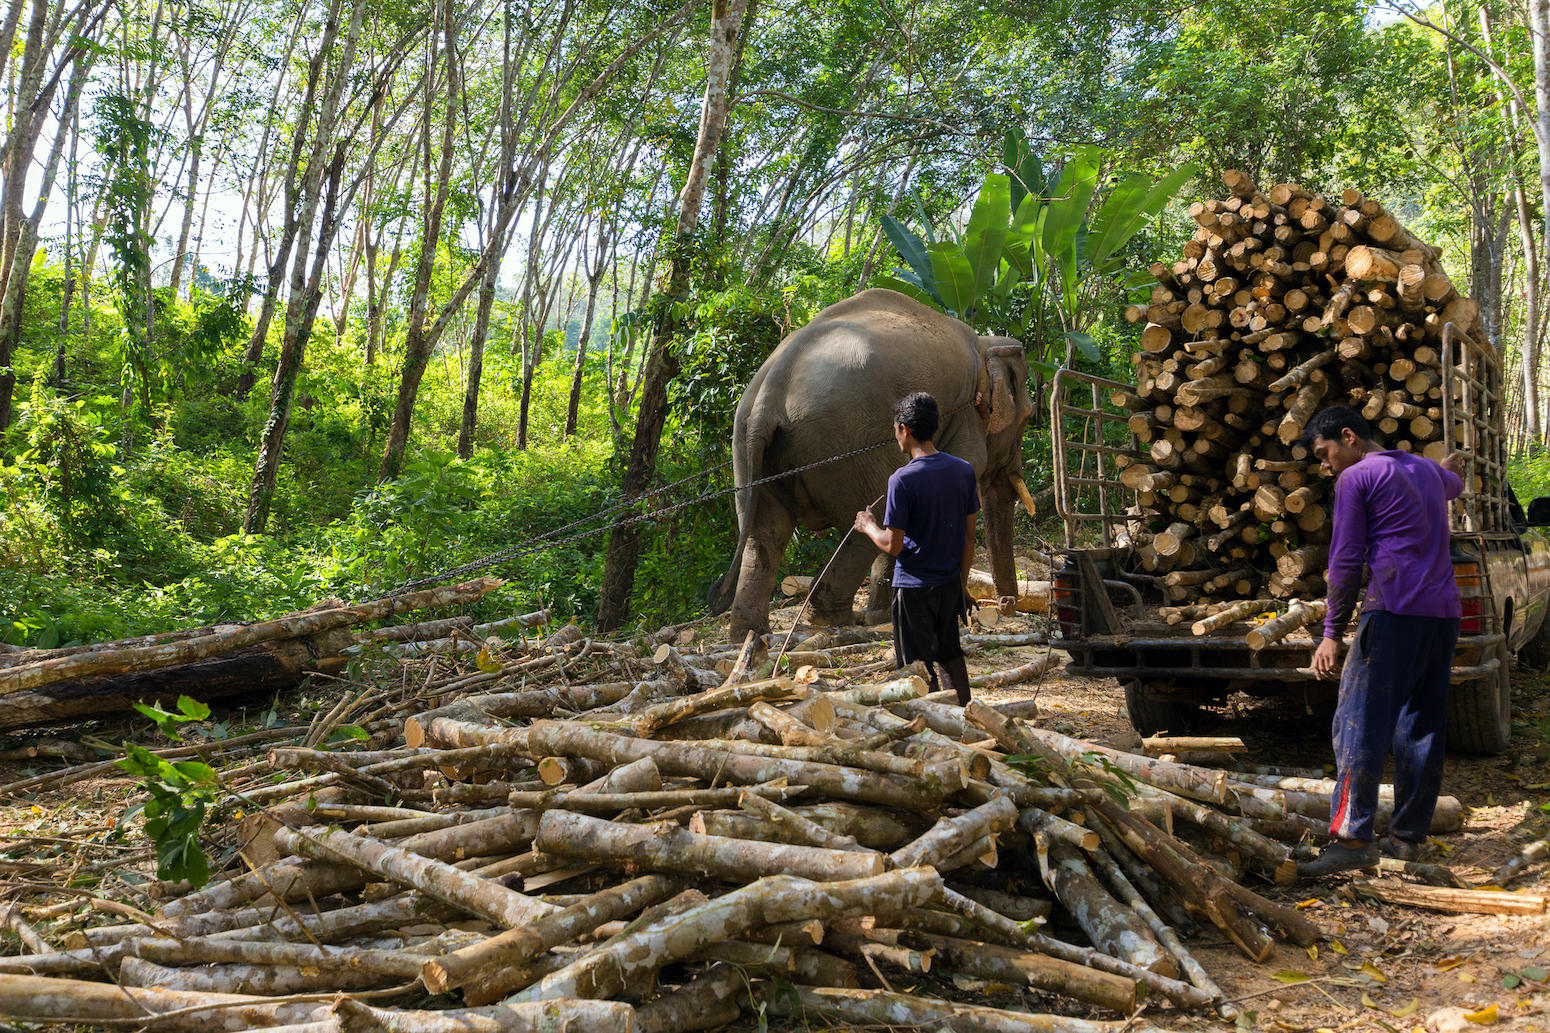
<point x="40" y="686"/>
<point x="576" y="834"/>
<point x="1284" y="302"/>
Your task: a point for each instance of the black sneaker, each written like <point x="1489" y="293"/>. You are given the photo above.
<point x="1337" y="857"/>
<point x="1400" y="849"/>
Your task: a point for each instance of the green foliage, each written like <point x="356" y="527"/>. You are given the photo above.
<point x="124" y="140"/>
<point x="732" y="333"/>
<point x="1529" y="474"/>
<point x="1034" y="246"/>
<point x="180" y="794"/>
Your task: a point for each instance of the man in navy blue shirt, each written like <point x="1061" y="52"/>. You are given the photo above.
<point x="933" y="501"/>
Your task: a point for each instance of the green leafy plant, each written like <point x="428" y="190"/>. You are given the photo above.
<point x="1036" y="246"/>
<point x="180" y="794"/>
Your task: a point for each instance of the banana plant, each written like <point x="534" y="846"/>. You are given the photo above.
<point x="1035" y="246"/>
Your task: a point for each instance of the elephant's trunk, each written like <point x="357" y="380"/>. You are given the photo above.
<point x="998" y="502"/>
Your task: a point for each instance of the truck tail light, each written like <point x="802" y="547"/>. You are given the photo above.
<point x="1471" y="599"/>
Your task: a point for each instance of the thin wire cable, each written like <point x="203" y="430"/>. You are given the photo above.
<point x="550" y="539"/>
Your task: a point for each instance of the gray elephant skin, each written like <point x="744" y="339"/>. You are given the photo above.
<point x="830" y="387"/>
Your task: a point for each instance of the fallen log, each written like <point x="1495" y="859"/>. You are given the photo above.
<point x="1454" y="901"/>
<point x="776" y="898"/>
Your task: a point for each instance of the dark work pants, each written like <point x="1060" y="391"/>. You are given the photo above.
<point x="1393" y="693"/>
<point x="925" y="627"/>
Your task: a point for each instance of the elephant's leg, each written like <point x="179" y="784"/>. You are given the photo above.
<point x="879" y="606"/>
<point x="833" y="600"/>
<point x="766" y="545"/>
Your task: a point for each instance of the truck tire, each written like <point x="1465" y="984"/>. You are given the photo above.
<point x="1535" y="652"/>
<point x="1480" y="711"/>
<point x="1151" y="714"/>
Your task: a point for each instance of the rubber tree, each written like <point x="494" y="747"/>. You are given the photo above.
<point x="515" y="189"/>
<point x="55" y="50"/>
<point x="665" y="360"/>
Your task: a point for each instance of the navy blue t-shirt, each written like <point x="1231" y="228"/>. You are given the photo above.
<point x="930" y="499"/>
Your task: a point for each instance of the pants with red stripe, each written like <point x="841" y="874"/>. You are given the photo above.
<point x="1393" y="695"/>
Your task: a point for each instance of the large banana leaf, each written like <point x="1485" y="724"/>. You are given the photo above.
<point x="912" y="249"/>
<point x="1127" y="208"/>
<point x="1024" y="167"/>
<point x="954" y="278"/>
<point x="986" y="233"/>
<point x="1066" y="210"/>
<point x="908" y="288"/>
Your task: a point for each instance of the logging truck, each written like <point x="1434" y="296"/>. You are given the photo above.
<point x="1180" y="640"/>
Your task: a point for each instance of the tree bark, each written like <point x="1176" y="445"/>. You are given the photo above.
<point x="775" y="898"/>
<point x="663" y="363"/>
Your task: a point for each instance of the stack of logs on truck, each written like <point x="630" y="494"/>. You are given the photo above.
<point x="1283" y="302"/>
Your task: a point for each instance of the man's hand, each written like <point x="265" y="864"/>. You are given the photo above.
<point x="1454" y="462"/>
<point x="1326" y="658"/>
<point x="865" y="521"/>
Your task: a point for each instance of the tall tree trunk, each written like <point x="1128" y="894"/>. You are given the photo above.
<point x="301" y="306"/>
<point x="1539" y="26"/>
<point x="624" y="544"/>
<point x="418" y="344"/>
<point x="465" y="434"/>
<point x="1534" y="429"/>
<point x="33" y="93"/>
<point x="573" y="406"/>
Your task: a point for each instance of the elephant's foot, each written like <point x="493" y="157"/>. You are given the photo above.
<point x="742" y="623"/>
<point x="835" y="618"/>
<point x="882" y="616"/>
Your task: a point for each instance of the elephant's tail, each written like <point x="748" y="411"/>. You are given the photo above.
<point x="749" y="443"/>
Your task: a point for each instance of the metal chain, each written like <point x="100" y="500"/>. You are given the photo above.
<point x="549" y="539"/>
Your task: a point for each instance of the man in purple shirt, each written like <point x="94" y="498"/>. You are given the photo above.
<point x="1390" y="516"/>
<point x="929" y="525"/>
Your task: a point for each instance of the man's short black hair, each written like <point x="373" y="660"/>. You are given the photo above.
<point x="919" y="413"/>
<point x="1328" y="423"/>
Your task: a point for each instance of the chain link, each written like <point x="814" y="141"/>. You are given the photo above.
<point x="549" y="539"/>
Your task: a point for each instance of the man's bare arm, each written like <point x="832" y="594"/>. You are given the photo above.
<point x="888" y="539"/>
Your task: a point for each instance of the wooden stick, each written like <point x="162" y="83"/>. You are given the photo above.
<point x="1457" y="901"/>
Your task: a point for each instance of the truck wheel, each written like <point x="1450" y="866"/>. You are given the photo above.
<point x="1151" y="714"/>
<point x="1480" y="711"/>
<point x="1535" y="652"/>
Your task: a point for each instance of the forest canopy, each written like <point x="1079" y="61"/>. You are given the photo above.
<point x="320" y="297"/>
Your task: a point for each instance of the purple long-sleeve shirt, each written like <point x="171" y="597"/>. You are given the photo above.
<point x="1391" y="514"/>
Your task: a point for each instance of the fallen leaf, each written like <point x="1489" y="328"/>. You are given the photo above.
<point x="1483" y="1017"/>
<point x="1465" y="977"/>
<point x="1313" y="951"/>
<point x="1367" y="1001"/>
<point x="1291" y="976"/>
<point x="1378" y="925"/>
<point x="1374" y="971"/>
<point x="1453" y="961"/>
<point x="1338" y="947"/>
<point x="1300" y="904"/>
<point x="1407" y="1011"/>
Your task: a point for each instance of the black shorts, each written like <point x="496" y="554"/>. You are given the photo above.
<point x="925" y="623"/>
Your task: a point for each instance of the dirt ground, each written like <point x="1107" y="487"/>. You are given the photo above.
<point x="1386" y="968"/>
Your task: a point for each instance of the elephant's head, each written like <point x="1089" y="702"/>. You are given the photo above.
<point x="1005" y="406"/>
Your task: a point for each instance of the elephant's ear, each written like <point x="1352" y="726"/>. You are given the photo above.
<point x="1003" y="409"/>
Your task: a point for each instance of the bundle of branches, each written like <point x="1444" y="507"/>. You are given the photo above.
<point x="578" y="835"/>
<point x="1283" y="302"/>
<point x="43" y="686"/>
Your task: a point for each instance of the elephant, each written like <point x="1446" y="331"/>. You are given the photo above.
<point x="829" y="388"/>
